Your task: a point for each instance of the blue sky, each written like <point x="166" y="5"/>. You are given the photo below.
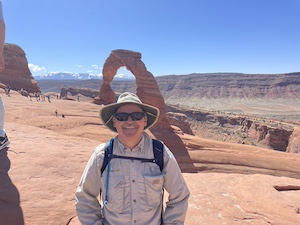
<point x="173" y="36"/>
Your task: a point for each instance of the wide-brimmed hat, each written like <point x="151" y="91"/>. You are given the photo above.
<point x="108" y="111"/>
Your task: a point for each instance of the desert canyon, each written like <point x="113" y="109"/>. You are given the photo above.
<point x="230" y="183"/>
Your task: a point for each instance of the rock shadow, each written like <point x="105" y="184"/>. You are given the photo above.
<point x="175" y="144"/>
<point x="10" y="209"/>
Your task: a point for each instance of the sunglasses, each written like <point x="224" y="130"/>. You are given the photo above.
<point x="135" y="116"/>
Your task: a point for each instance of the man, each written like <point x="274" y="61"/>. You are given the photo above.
<point x="130" y="189"/>
<point x="4" y="141"/>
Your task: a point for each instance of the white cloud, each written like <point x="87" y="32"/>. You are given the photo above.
<point x="95" y="66"/>
<point x="36" y="68"/>
<point x="80" y="66"/>
<point x="120" y="75"/>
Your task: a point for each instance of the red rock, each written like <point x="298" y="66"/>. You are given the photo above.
<point x="39" y="172"/>
<point x="16" y="73"/>
<point x="294" y="141"/>
<point x="147" y="88"/>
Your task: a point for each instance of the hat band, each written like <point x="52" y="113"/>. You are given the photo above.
<point x="110" y="118"/>
<point x="151" y="114"/>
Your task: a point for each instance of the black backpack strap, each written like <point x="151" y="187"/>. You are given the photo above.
<point x="143" y="160"/>
<point x="158" y="152"/>
<point x="107" y="154"/>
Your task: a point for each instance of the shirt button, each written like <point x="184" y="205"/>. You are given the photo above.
<point x="134" y="200"/>
<point x="133" y="181"/>
<point x="134" y="221"/>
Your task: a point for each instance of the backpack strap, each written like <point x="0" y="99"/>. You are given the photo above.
<point x="107" y="154"/>
<point x="107" y="158"/>
<point x="133" y="158"/>
<point x="158" y="152"/>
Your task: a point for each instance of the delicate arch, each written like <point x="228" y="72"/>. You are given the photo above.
<point x="146" y="85"/>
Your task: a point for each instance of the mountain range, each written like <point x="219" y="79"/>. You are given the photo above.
<point x="78" y="76"/>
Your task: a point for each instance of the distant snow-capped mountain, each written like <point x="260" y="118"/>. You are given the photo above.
<point x="78" y="76"/>
<point x="67" y="76"/>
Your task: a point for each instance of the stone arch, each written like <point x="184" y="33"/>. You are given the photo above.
<point x="146" y="86"/>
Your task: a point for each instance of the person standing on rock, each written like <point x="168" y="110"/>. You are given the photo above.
<point x="131" y="184"/>
<point x="4" y="141"/>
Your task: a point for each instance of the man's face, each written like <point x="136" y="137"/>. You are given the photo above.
<point x="130" y="130"/>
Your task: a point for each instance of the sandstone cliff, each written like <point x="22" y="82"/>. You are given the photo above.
<point x="16" y="73"/>
<point x="219" y="85"/>
<point x="235" y="128"/>
<point x="233" y="85"/>
<point x="294" y="141"/>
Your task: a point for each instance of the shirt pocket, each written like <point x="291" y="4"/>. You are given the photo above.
<point x="153" y="189"/>
<point x="116" y="193"/>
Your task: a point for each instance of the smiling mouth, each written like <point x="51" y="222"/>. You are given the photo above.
<point x="129" y="128"/>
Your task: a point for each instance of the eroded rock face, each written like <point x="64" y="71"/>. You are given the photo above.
<point x="294" y="141"/>
<point x="230" y="85"/>
<point x="147" y="88"/>
<point x="270" y="135"/>
<point x="75" y="91"/>
<point x="277" y="139"/>
<point x="180" y="120"/>
<point x="16" y="73"/>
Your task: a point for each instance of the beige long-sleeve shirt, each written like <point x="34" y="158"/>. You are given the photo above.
<point x="134" y="190"/>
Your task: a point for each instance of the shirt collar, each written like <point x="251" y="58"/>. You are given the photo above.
<point x="139" y="146"/>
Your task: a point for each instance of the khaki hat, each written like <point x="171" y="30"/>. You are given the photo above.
<point x="108" y="111"/>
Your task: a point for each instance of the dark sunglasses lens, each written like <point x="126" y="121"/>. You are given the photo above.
<point x="122" y="116"/>
<point x="137" y="116"/>
<point x="134" y="116"/>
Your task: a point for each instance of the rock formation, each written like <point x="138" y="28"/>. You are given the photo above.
<point x="212" y="85"/>
<point x="294" y="141"/>
<point x="276" y="138"/>
<point x="146" y="86"/>
<point x="16" y="73"/>
<point x="75" y="91"/>
<point x="230" y="85"/>
<point x="180" y="120"/>
<point x="206" y="86"/>
<point x="40" y="170"/>
<point x="272" y="135"/>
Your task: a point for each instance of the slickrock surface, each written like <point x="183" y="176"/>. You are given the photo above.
<point x="234" y="184"/>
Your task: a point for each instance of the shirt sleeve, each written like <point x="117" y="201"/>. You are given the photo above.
<point x="175" y="185"/>
<point x="87" y="204"/>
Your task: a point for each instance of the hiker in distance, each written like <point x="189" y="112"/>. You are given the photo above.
<point x="130" y="172"/>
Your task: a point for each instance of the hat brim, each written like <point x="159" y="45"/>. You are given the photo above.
<point x="107" y="113"/>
